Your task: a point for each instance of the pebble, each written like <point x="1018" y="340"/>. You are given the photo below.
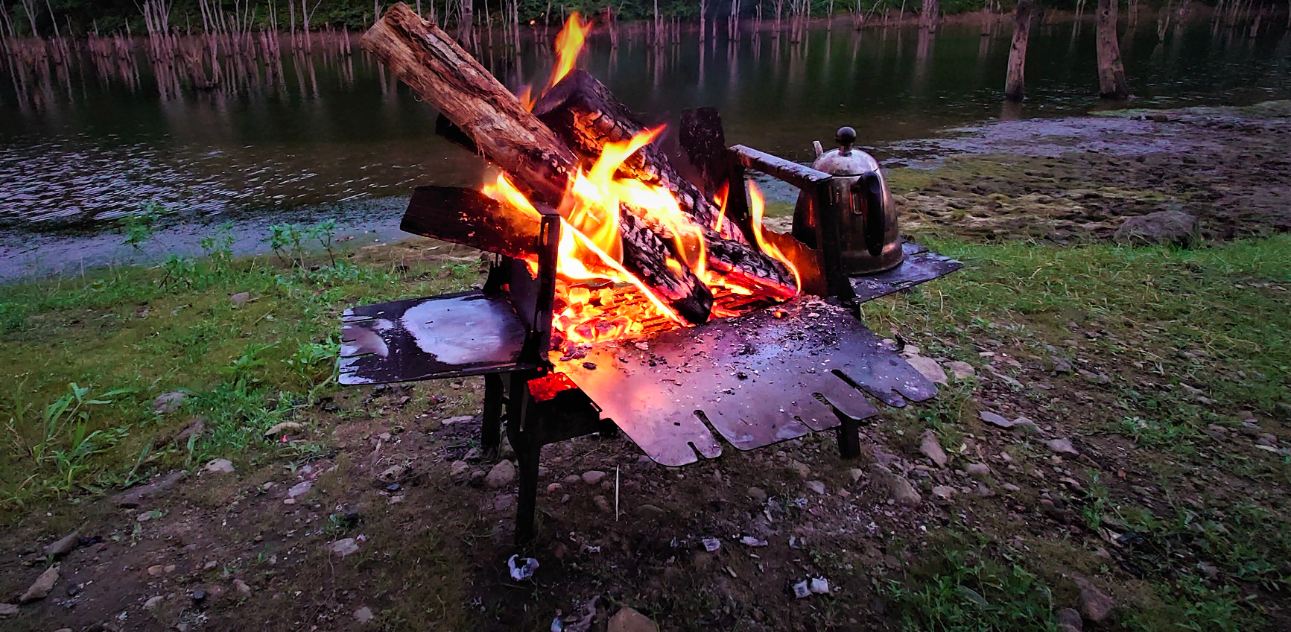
<point x="64" y="545"/>
<point x="363" y="615"/>
<point x="978" y="469"/>
<point x="553" y="488"/>
<point x="943" y="492"/>
<point x="816" y="486"/>
<point x="1094" y="604"/>
<point x="168" y="402"/>
<point x="602" y="503"/>
<point x="344" y="547"/>
<point x="458" y="468"/>
<point x="931" y="448"/>
<point x="1010" y="487"/>
<point x="41" y="587"/>
<point x="299" y="489"/>
<point x="1061" y="446"/>
<point x="220" y="466"/>
<point x="502" y="475"/>
<point x="899" y="489"/>
<point x="153" y="602"/>
<point x="800" y="468"/>
<point x="8" y="610"/>
<point x="757" y="494"/>
<point x="242" y="588"/>
<point x="239" y="298"/>
<point x="928" y="368"/>
<point x="856" y="473"/>
<point x="1069" y="621"/>
<point x="629" y="620"/>
<point x="995" y="419"/>
<point x="572" y="479"/>
<point x="284" y="428"/>
<point x="592" y="477"/>
<point x="961" y="370"/>
<point x="462" y="419"/>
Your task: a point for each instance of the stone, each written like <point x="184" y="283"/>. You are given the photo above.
<point x="899" y="489"/>
<point x="284" y="428"/>
<point x="134" y="497"/>
<point x="63" y="545"/>
<point x="572" y="479"/>
<point x="757" y="494"/>
<point x="41" y="587"/>
<point x="960" y="370"/>
<point x="502" y="475"/>
<point x="239" y="298"/>
<point x="980" y="470"/>
<point x="363" y="615"/>
<point x="299" y="489"/>
<point x="153" y="602"/>
<point x="800" y="469"/>
<point x="8" y="610"/>
<point x="1069" y="620"/>
<point x="554" y="487"/>
<point x="629" y="620"/>
<point x="1010" y="487"/>
<point x="242" y="588"/>
<point x="931" y="448"/>
<point x="503" y="502"/>
<point x="462" y="419"/>
<point x="458" y="468"/>
<point x="816" y="486"/>
<point x="943" y="492"/>
<point x="1094" y="604"/>
<point x="995" y="419"/>
<point x="1022" y="423"/>
<point x="168" y="402"/>
<point x="856" y="473"/>
<point x="194" y="429"/>
<point x="592" y="477"/>
<point x="602" y="503"/>
<point x="344" y="547"/>
<point x="219" y="466"/>
<point x="929" y="368"/>
<point x="1162" y="227"/>
<point x="1061" y="446"/>
<point x="649" y="511"/>
<point x="392" y="473"/>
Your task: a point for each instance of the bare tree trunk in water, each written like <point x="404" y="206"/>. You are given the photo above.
<point x="930" y="9"/>
<point x="702" y="8"/>
<point x="1014" y="84"/>
<point x="1111" y="73"/>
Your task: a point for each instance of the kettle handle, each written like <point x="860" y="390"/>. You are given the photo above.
<point x="870" y="187"/>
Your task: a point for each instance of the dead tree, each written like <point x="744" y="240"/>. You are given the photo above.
<point x="1111" y="73"/>
<point x="930" y="10"/>
<point x="1015" y="83"/>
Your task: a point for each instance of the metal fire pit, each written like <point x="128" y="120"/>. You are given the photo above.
<point x="767" y="376"/>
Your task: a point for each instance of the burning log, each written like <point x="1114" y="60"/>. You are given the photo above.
<point x="585" y="114"/>
<point x="427" y="59"/>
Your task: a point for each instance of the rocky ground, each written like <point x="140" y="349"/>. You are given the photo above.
<point x="1110" y="448"/>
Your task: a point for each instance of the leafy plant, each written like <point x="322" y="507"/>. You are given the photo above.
<point x="140" y="227"/>
<point x="64" y="441"/>
<point x="218" y="246"/>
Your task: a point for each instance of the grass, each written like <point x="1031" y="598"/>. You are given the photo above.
<point x="1151" y="332"/>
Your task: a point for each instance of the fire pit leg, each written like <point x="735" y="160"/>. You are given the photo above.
<point x="491" y="426"/>
<point x="849" y="437"/>
<point x="525" y="431"/>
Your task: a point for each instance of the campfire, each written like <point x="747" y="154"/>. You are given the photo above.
<point x="642" y="250"/>
<point x="624" y="297"/>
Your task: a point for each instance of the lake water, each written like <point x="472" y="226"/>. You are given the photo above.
<point x="333" y="136"/>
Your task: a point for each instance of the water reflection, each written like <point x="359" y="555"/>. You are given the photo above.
<point x="111" y="125"/>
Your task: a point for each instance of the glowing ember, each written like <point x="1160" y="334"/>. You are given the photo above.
<point x="597" y="298"/>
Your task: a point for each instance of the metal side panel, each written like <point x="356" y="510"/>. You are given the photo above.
<point x="758" y="379"/>
<point x="453" y="335"/>
<point x="919" y="265"/>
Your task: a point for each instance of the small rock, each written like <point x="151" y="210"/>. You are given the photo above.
<point x="856" y="473"/>
<point x="239" y="298"/>
<point x="649" y="511"/>
<point x="553" y="488"/>
<point x="503" y="502"/>
<point x="1061" y="365"/>
<point x="168" y="402"/>
<point x="978" y="469"/>
<point x="363" y="615"/>
<point x="995" y="419"/>
<point x="602" y="503"/>
<point x="931" y="448"/>
<point x="961" y="370"/>
<point x="1069" y="620"/>
<point x="242" y="588"/>
<point x="299" y="489"/>
<point x="156" y="569"/>
<point x="284" y="428"/>
<point x="1061" y="446"/>
<point x="8" y="610"/>
<point x="502" y="475"/>
<point x="1022" y="423"/>
<point x="392" y="473"/>
<point x="64" y="545"/>
<point x="453" y="421"/>
<point x="1094" y="604"/>
<point x="135" y="497"/>
<point x="1162" y="227"/>
<point x="1010" y="487"/>
<point x="41" y="587"/>
<point x="458" y="468"/>
<point x="153" y="602"/>
<point x="572" y="479"/>
<point x="898" y="487"/>
<point x="220" y="466"/>
<point x="344" y="547"/>
<point x="800" y="468"/>
<point x="194" y="429"/>
<point x="198" y="595"/>
<point x="928" y="367"/>
<point x="629" y="620"/>
<point x="819" y="586"/>
<point x="816" y="486"/>
<point x="944" y="492"/>
<point x="757" y="494"/>
<point x="593" y="477"/>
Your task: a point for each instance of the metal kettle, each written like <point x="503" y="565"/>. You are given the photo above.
<point x="866" y="215"/>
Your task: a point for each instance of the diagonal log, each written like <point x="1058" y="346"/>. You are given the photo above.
<point x="586" y="116"/>
<point x="427" y="59"/>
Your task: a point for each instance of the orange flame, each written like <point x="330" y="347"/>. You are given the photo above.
<point x="569" y="41"/>
<point x="757" y="206"/>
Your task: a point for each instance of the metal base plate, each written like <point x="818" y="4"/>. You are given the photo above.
<point x="919" y="265"/>
<point x="453" y="335"/>
<point x="772" y="375"/>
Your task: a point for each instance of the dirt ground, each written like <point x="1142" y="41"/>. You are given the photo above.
<point x="401" y="524"/>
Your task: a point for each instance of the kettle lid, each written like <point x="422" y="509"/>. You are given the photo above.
<point x="844" y="161"/>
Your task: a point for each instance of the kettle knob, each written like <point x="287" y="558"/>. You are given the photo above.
<point x="845" y="136"/>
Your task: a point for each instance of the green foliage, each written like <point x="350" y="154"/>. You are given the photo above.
<point x="288" y="240"/>
<point x="139" y="227"/>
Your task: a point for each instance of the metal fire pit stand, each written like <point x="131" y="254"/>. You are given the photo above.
<point x="756" y="379"/>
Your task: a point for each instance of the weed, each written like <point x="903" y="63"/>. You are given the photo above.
<point x="139" y="227"/>
<point x="62" y="441"/>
